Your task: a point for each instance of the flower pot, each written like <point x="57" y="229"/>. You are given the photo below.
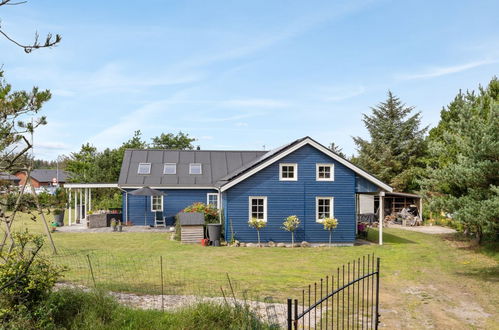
<point x="205" y="242"/>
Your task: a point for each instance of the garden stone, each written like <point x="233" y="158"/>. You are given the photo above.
<point x="271" y="244"/>
<point x="242" y="244"/>
<point x="305" y="244"/>
<point x="281" y="245"/>
<point x="250" y="245"/>
<point x="323" y="245"/>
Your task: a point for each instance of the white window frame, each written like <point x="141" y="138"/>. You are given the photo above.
<point x="208" y="199"/>
<point x="200" y="168"/>
<point x="169" y="164"/>
<point x="265" y="211"/>
<point x="152" y="204"/>
<point x="331" y="207"/>
<point x="295" y="171"/>
<point x="331" y="165"/>
<point x="144" y="164"/>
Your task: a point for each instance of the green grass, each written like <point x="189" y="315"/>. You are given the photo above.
<point x="75" y="309"/>
<point x="425" y="279"/>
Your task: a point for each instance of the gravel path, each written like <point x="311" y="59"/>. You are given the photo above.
<point x="434" y="230"/>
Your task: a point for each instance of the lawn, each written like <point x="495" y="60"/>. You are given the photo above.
<point x="426" y="280"/>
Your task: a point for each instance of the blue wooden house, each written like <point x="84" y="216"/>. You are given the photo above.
<point x="302" y="178"/>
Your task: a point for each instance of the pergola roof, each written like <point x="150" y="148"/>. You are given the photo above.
<point x="90" y="185"/>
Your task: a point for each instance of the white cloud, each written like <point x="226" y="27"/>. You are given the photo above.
<point x="241" y="124"/>
<point x="442" y="71"/>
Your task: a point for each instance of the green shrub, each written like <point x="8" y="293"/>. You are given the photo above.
<point x="75" y="309"/>
<point x="210" y="212"/>
<point x="26" y="277"/>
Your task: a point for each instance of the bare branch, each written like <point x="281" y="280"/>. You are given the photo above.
<point x="50" y="41"/>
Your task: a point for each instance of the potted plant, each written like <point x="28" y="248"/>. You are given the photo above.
<point x="257" y="224"/>
<point x="290" y="224"/>
<point x="330" y="224"/>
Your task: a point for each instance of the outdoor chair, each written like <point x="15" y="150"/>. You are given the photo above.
<point x="159" y="220"/>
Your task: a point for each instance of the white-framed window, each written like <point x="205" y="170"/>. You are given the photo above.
<point x="324" y="172"/>
<point x="258" y="207"/>
<point x="157" y="203"/>
<point x="195" y="168"/>
<point x="288" y="172"/>
<point x="324" y="208"/>
<point x="170" y="168"/>
<point x="212" y="199"/>
<point x="144" y="168"/>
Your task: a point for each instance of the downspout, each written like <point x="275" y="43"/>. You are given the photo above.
<point x="220" y="203"/>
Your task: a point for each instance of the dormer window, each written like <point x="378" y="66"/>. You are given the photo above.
<point x="170" y="168"/>
<point x="288" y="172"/>
<point x="195" y="168"/>
<point x="144" y="168"/>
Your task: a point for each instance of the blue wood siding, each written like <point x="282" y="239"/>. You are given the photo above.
<point x="139" y="207"/>
<point x="363" y="185"/>
<point x="286" y="198"/>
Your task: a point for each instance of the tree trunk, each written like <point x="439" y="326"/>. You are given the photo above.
<point x="292" y="239"/>
<point x="330" y="234"/>
<point x="258" y="232"/>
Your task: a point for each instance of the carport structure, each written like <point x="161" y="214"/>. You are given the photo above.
<point x="80" y="196"/>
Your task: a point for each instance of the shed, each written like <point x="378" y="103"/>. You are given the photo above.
<point x="191" y="227"/>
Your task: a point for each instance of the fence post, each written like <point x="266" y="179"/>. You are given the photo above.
<point x="162" y="285"/>
<point x="290" y="320"/>
<point x="91" y="270"/>
<point x="377" y="295"/>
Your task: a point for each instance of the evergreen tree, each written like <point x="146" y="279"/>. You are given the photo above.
<point x="396" y="147"/>
<point x="337" y="149"/>
<point x="463" y="177"/>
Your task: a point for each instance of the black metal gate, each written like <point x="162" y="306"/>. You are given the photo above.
<point x="348" y="299"/>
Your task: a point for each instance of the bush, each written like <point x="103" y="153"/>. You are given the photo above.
<point x="113" y="201"/>
<point x="210" y="212"/>
<point x="75" y="309"/>
<point x="26" y="278"/>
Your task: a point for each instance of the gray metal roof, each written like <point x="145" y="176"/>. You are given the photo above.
<point x="190" y="218"/>
<point x="42" y="175"/>
<point x="216" y="164"/>
<point x="8" y="177"/>
<point x="257" y="161"/>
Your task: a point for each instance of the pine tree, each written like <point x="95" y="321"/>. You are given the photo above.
<point x="396" y="146"/>
<point x="466" y="183"/>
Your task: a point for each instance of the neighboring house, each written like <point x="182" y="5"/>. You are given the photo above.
<point x="9" y="179"/>
<point x="303" y="178"/>
<point x="44" y="178"/>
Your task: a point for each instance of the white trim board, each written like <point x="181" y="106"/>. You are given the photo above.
<point x="319" y="147"/>
<point x="166" y="187"/>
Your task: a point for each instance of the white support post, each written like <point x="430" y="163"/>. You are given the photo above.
<point x="421" y="209"/>
<point x="76" y="205"/>
<point x="86" y="204"/>
<point x="69" y="206"/>
<point x="81" y="205"/>
<point x="381" y="216"/>
<point x="90" y="199"/>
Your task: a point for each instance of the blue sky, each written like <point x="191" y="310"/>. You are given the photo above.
<point x="243" y="74"/>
